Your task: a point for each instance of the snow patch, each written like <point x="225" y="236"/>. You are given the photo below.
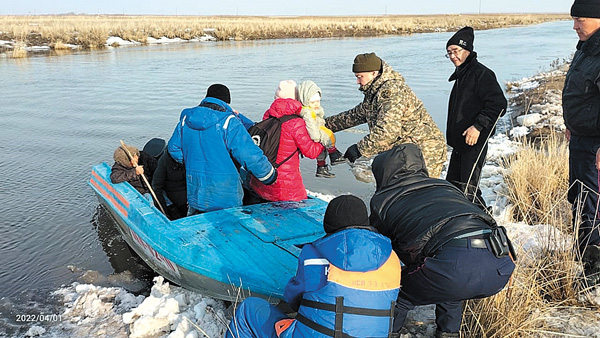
<point x="117" y="41"/>
<point x="35" y="331"/>
<point x="164" y="40"/>
<point x="529" y="119"/>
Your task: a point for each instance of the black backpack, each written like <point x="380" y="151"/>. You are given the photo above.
<point x="266" y="134"/>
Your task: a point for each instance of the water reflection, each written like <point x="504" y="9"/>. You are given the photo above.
<point x="130" y="271"/>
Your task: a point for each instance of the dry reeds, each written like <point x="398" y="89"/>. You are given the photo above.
<point x="91" y="31"/>
<point x="59" y="45"/>
<point x="19" y="52"/>
<point x="538" y="181"/>
<point x="547" y="278"/>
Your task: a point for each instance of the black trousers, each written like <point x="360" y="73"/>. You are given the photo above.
<point x="453" y="275"/>
<point x="464" y="171"/>
<point x="584" y="189"/>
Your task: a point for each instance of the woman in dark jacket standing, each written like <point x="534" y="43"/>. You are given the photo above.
<point x="476" y="103"/>
<point x="445" y="241"/>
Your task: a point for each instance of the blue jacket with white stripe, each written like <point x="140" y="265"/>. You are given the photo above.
<point x="356" y="264"/>
<point x="212" y="142"/>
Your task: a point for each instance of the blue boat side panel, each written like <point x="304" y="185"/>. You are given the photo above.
<point x="282" y="221"/>
<point x="238" y="259"/>
<point x="294" y="246"/>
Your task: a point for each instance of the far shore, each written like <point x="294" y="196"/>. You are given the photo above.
<point x="64" y="32"/>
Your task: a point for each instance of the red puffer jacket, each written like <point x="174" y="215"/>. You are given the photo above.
<point x="289" y="186"/>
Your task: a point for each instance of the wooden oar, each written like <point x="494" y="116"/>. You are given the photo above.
<point x="144" y="177"/>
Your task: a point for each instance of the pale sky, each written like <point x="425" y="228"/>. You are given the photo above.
<point x="281" y="7"/>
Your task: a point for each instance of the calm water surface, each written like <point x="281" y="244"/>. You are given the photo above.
<point x="62" y="114"/>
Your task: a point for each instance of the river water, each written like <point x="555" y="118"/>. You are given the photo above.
<point x="62" y="114"/>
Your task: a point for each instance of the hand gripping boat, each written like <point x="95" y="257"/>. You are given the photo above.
<point x="252" y="247"/>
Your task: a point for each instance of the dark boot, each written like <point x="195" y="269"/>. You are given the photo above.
<point x="336" y="157"/>
<point x="323" y="171"/>
<point x="442" y="334"/>
<point x="591" y="264"/>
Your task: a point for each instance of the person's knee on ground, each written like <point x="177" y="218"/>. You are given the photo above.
<point x="253" y="318"/>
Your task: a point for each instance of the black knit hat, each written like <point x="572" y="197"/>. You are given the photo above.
<point x="344" y="211"/>
<point x="219" y="91"/>
<point x="463" y="38"/>
<point x="367" y="62"/>
<point x="586" y="9"/>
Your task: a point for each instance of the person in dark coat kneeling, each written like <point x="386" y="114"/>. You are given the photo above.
<point x="449" y="245"/>
<point x="352" y="269"/>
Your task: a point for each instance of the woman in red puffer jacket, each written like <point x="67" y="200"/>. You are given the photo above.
<point x="289" y="186"/>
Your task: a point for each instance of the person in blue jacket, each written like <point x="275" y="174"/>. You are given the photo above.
<point x="345" y="286"/>
<point x="213" y="143"/>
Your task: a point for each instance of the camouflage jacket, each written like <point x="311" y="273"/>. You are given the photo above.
<point x="394" y="114"/>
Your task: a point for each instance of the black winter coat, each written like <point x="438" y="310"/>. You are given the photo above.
<point x="120" y="173"/>
<point x="476" y="100"/>
<point x="418" y="213"/>
<point x="169" y="178"/>
<point x="581" y="93"/>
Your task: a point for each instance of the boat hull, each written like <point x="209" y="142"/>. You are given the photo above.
<point x="228" y="254"/>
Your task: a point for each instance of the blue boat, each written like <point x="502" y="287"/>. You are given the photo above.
<point x="247" y="250"/>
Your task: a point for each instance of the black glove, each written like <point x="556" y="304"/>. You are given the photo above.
<point x="352" y="153"/>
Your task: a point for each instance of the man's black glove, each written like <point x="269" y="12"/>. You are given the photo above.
<point x="352" y="153"/>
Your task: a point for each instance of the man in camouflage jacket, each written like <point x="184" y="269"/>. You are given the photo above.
<point x="393" y="113"/>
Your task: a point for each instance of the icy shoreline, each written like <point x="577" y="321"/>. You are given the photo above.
<point x="7" y="46"/>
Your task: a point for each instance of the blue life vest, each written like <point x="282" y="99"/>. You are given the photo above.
<point x="357" y="297"/>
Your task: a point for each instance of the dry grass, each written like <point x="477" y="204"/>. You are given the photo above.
<point x="59" y="45"/>
<point x="548" y="279"/>
<point x="91" y="31"/>
<point x="18" y="52"/>
<point x="538" y="287"/>
<point x="538" y="181"/>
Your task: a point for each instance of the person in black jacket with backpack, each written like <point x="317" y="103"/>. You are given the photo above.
<point x="452" y="250"/>
<point x="476" y="103"/>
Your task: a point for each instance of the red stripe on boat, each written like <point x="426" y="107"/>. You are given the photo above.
<point x="109" y="197"/>
<point x="108" y="187"/>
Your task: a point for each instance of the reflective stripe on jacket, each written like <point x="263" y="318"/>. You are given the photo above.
<point x="206" y="140"/>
